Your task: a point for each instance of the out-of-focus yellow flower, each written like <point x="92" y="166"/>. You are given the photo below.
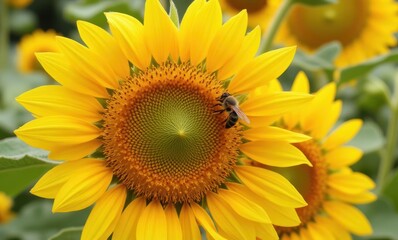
<point x="157" y="134"/>
<point x="365" y="28"/>
<point x="260" y="12"/>
<point x="5" y="208"/>
<point x="330" y="187"/>
<point x="19" y="3"/>
<point x="38" y="41"/>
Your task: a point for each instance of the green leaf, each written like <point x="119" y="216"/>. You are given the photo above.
<point x="370" y="138"/>
<point x="35" y="221"/>
<point x="174" y="14"/>
<point x="20" y="165"/>
<point x="68" y="234"/>
<point x="315" y="2"/>
<point x="391" y="189"/>
<point x="357" y="71"/>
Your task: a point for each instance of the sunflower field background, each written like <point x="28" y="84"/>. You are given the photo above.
<point x="349" y="46"/>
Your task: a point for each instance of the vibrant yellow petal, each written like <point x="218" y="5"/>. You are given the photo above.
<point x="204" y="27"/>
<point x="189" y="227"/>
<point x="101" y="42"/>
<point x="48" y="132"/>
<point x="88" y="63"/>
<point x="103" y="218"/>
<point x="126" y="228"/>
<point x="227" y="41"/>
<point x="40" y="103"/>
<point x="358" y="198"/>
<point x="317" y="231"/>
<point x="84" y="187"/>
<point x="280" y="216"/>
<point x="328" y="121"/>
<point x="274" y="104"/>
<point x="274" y="153"/>
<point x="348" y="216"/>
<point x="352" y="183"/>
<point x="266" y="231"/>
<point x="173" y="223"/>
<point x="246" y="52"/>
<point x="344" y="133"/>
<point x="274" y="133"/>
<point x="185" y="33"/>
<point x="59" y="68"/>
<point x="261" y="70"/>
<point x="336" y="229"/>
<point x="231" y="224"/>
<point x="301" y="83"/>
<point x="270" y="185"/>
<point x="343" y="156"/>
<point x="152" y="223"/>
<point x="73" y="152"/>
<point x="52" y="181"/>
<point x="244" y="207"/>
<point x="129" y="34"/>
<point x="205" y="221"/>
<point x="160" y="32"/>
<point x="305" y="235"/>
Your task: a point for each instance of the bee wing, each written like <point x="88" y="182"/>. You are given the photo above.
<point x="241" y="114"/>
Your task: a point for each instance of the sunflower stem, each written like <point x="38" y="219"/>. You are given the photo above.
<point x="388" y="152"/>
<point x="4" y="42"/>
<point x="269" y="36"/>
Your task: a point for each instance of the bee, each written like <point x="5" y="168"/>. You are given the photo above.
<point x="231" y="105"/>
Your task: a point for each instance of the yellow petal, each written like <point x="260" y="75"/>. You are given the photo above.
<point x="152" y="223"/>
<point x="204" y="27"/>
<point x="48" y="132"/>
<point x="280" y="216"/>
<point x="352" y="183"/>
<point x="262" y="70"/>
<point x="244" y="207"/>
<point x="84" y="187"/>
<point x="301" y="83"/>
<point x="274" y="153"/>
<point x="205" y="221"/>
<point x="343" y="156"/>
<point x="105" y="45"/>
<point x="266" y="231"/>
<point x="246" y="52"/>
<point x="103" y="218"/>
<point x="126" y="228"/>
<point x="227" y="41"/>
<point x="274" y="133"/>
<point x="231" y="224"/>
<point x="129" y="34"/>
<point x="185" y="33"/>
<point x="274" y="104"/>
<point x="328" y="121"/>
<point x="50" y="183"/>
<point x="270" y="185"/>
<point x="348" y="216"/>
<point x="189" y="227"/>
<point x="173" y="223"/>
<point x="88" y="63"/>
<point x="59" y="68"/>
<point x="75" y="151"/>
<point x="358" y="198"/>
<point x="344" y="133"/>
<point x="160" y="32"/>
<point x="335" y="228"/>
<point x="57" y="100"/>
<point x="317" y="231"/>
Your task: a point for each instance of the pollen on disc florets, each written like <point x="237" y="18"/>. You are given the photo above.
<point x="162" y="137"/>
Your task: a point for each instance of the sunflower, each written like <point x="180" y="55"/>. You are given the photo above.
<point x="38" y="41"/>
<point x="5" y="208"/>
<point x="19" y="3"/>
<point x="365" y="28"/>
<point x="330" y="187"/>
<point x="260" y="12"/>
<point x="140" y="120"/>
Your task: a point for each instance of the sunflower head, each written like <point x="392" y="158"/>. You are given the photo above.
<point x="139" y="113"/>
<point x="330" y="187"/>
<point x="365" y="28"/>
<point x="38" y="41"/>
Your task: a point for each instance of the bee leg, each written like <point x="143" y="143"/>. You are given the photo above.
<point x="219" y="111"/>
